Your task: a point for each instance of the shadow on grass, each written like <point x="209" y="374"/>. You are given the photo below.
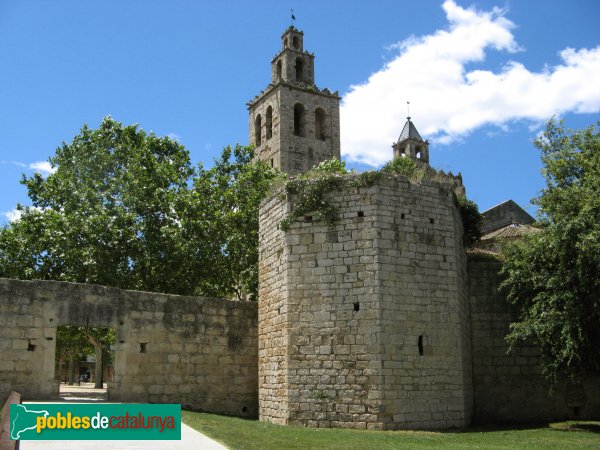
<point x="576" y="425"/>
<point x="569" y="425"/>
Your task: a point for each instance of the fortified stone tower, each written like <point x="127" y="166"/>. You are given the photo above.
<point x="365" y="324"/>
<point x="294" y="124"/>
<point x="411" y="145"/>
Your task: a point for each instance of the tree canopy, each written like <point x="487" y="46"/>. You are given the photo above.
<point x="225" y="201"/>
<point x="554" y="276"/>
<point x="126" y="208"/>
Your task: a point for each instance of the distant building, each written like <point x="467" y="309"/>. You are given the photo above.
<point x="504" y="214"/>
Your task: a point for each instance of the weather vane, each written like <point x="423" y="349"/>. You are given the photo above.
<point x="293" y="16"/>
<point x="408" y="110"/>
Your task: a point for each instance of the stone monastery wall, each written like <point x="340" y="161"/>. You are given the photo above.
<point x="509" y="387"/>
<point x="377" y="322"/>
<point x="366" y="325"/>
<point x="200" y="352"/>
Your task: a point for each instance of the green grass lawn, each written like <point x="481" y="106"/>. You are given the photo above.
<point x="237" y="433"/>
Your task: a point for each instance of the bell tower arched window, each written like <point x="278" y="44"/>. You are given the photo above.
<point x="269" y="122"/>
<point x="257" y="130"/>
<point x="279" y="65"/>
<point x="320" y="124"/>
<point x="299" y="69"/>
<point x="299" y="119"/>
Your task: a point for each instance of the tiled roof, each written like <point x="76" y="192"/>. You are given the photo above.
<point x="514" y="230"/>
<point x="409" y="132"/>
<point x="481" y="251"/>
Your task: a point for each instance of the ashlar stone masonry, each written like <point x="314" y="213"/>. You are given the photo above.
<point x="199" y="352"/>
<point x="379" y="322"/>
<point x="294" y="124"/>
<point x="366" y="325"/>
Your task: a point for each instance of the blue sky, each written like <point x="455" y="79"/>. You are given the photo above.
<point x="481" y="77"/>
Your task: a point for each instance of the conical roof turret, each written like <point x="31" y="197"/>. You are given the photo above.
<point x="410" y="144"/>
<point x="409" y="132"/>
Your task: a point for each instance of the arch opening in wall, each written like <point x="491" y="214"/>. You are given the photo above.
<point x="269" y="122"/>
<point x="257" y="130"/>
<point x="320" y="124"/>
<point x="279" y="69"/>
<point x="299" y="119"/>
<point x="299" y="69"/>
<point x="295" y="42"/>
<point x="84" y="357"/>
<point x="418" y="153"/>
<point x="285" y="43"/>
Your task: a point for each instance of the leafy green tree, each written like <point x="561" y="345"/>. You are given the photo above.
<point x="108" y="215"/>
<point x="75" y="342"/>
<point x="471" y="220"/>
<point x="554" y="276"/>
<point x="226" y="198"/>
<point x="101" y="339"/>
<point x="400" y="166"/>
<point x="125" y="208"/>
<point x="71" y="345"/>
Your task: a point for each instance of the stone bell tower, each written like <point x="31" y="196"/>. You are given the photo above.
<point x="293" y="124"/>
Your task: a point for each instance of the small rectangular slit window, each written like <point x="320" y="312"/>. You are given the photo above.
<point x="30" y="347"/>
<point x="420" y="345"/>
<point x="357" y="306"/>
<point x="361" y="214"/>
<point x="143" y="347"/>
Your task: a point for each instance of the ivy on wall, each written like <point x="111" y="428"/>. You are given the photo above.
<point x="311" y="191"/>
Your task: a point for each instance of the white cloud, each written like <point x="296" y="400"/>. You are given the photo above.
<point x="43" y="167"/>
<point x="174" y="137"/>
<point x="13" y="215"/>
<point x="447" y="100"/>
<point x="16" y="214"/>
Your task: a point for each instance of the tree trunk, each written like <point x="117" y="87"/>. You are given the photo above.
<point x="99" y="369"/>
<point x="71" y="374"/>
<point x="61" y="364"/>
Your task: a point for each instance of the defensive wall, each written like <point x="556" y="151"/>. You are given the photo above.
<point x="381" y="321"/>
<point x="378" y="322"/>
<point x="199" y="352"/>
<point x="510" y="387"/>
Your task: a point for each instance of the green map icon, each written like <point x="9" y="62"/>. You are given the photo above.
<point x="23" y="419"/>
